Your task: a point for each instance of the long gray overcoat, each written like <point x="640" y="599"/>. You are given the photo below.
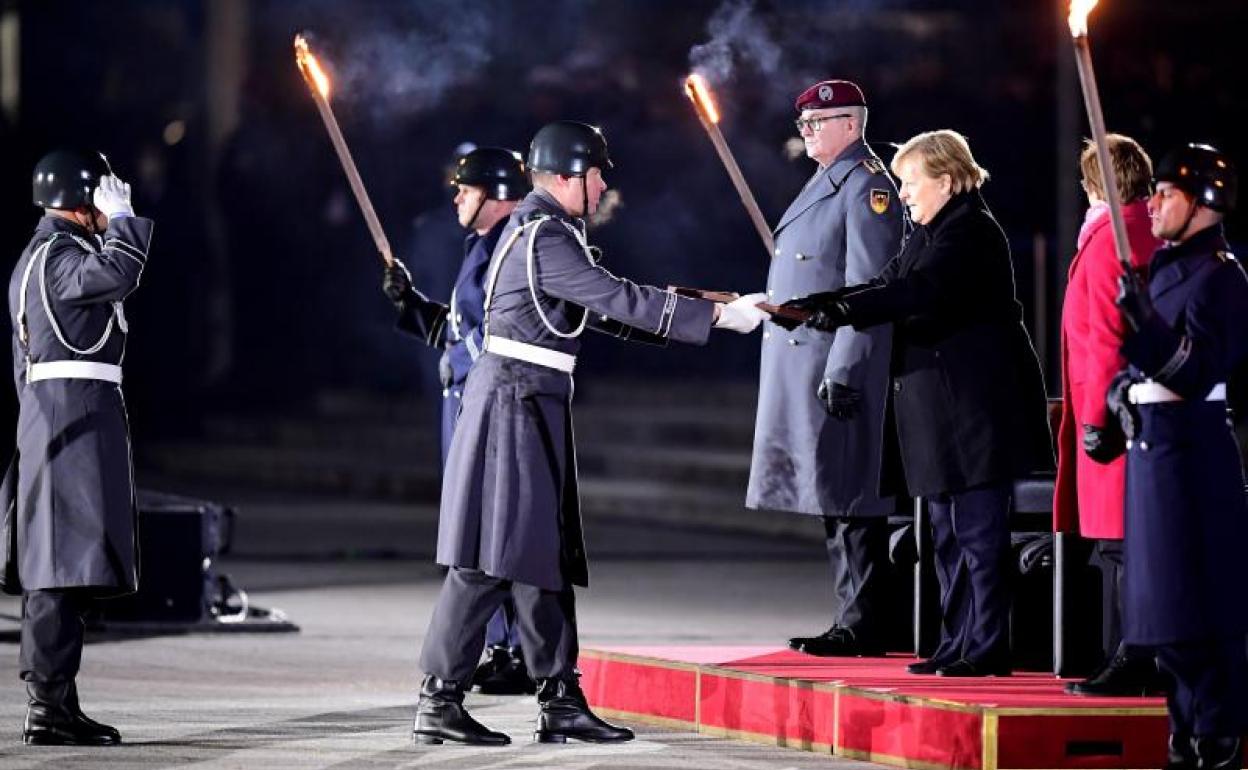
<point x="510" y="504"/>
<point x="843" y="227"/>
<point x="74" y="509"/>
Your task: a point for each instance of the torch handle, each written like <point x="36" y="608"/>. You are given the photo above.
<point x="353" y="177"/>
<point x="1092" y="101"/>
<point x="738" y="181"/>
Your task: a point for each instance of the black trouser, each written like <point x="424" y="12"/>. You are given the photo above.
<point x="1107" y="556"/>
<point x="52" y="635"/>
<point x="858" y="553"/>
<point x="469" y="597"/>
<point x="1209" y="695"/>
<point x="971" y="537"/>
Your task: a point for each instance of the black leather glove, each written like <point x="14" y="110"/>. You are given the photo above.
<point x="829" y="318"/>
<point x="1104" y="445"/>
<point x="842" y="402"/>
<point x="397" y="283"/>
<point x="802" y="308"/>
<point x="1134" y="302"/>
<point x="446" y="375"/>
<point x="1120" y="406"/>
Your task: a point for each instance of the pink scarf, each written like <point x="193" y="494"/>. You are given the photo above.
<point x="1095" y="213"/>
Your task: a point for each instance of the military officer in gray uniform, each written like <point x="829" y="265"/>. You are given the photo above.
<point x="510" y="520"/>
<point x="71" y="512"/>
<point x="821" y="398"/>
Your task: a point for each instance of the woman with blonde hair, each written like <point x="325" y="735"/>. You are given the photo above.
<point x="967" y="413"/>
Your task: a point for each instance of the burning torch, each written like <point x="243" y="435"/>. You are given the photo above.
<point x="318" y="82"/>
<point x="704" y="105"/>
<point x="1078" y="21"/>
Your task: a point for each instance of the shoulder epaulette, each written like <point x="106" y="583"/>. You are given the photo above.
<point x="873" y="164"/>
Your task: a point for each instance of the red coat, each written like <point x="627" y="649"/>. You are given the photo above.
<point x="1088" y="498"/>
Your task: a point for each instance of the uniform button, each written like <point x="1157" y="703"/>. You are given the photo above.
<point x="770" y="293"/>
<point x="777" y="251"/>
<point x="801" y="257"/>
<point x="896" y="386"/>
<point x="446" y="392"/>
<point x="766" y="335"/>
<point x="1143" y="446"/>
<point x="792" y="342"/>
<point x="1130" y="444"/>
<point x="459" y="318"/>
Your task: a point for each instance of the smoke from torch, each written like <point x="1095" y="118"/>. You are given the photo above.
<point x="704" y="104"/>
<point x="319" y="84"/>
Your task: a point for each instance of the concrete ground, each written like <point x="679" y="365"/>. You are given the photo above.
<point x="358" y="579"/>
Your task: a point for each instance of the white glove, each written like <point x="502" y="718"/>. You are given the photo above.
<point x="112" y="197"/>
<point x="741" y="315"/>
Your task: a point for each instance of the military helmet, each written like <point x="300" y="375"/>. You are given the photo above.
<point x="66" y="179"/>
<point x="498" y="170"/>
<point x="1203" y="172"/>
<point x="569" y="148"/>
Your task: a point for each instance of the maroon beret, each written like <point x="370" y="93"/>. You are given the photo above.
<point x="831" y="93"/>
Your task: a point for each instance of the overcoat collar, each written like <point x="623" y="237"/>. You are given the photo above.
<point x="826" y="181"/>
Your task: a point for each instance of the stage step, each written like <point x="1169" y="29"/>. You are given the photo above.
<point x="871" y="709"/>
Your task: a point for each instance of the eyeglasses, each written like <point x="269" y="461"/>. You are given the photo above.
<point x="816" y="123"/>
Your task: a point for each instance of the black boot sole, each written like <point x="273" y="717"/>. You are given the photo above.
<point x="542" y="736"/>
<point x="428" y="739"/>
<point x="56" y="740"/>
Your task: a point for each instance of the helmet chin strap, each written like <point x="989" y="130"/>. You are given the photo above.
<point x="1187" y="222"/>
<point x="585" y="197"/>
<point x="473" y="220"/>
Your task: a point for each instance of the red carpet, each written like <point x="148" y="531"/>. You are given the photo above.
<point x="870" y="708"/>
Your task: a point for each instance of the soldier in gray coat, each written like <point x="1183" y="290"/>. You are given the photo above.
<point x="821" y="398"/>
<point x="70" y="512"/>
<point x="510" y="519"/>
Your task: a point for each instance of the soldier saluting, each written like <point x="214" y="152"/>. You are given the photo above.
<point x="74" y="515"/>
<point x="510" y="519"/>
<point x="1186" y="519"/>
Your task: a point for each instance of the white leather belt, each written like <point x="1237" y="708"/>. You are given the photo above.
<point x="1156" y="393"/>
<point x="534" y="354"/>
<point x="73" y="370"/>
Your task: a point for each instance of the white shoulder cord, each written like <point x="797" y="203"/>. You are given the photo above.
<point x="498" y="263"/>
<point x="41" y="254"/>
<point x="532" y="269"/>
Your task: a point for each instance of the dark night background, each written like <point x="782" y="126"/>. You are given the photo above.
<point x="263" y="287"/>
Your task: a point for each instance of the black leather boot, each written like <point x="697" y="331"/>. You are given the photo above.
<point x="503" y="673"/>
<point x="1180" y="753"/>
<point x="565" y="714"/>
<point x="1219" y="753"/>
<point x="54" y="718"/>
<point x="441" y="716"/>
<point x="1126" y="674"/>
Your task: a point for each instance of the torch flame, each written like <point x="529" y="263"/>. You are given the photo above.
<point x="700" y="93"/>
<point x="311" y="67"/>
<point x="1078" y="18"/>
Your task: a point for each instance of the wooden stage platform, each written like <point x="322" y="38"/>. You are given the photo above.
<point x="872" y="709"/>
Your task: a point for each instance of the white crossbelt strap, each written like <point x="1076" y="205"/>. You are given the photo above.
<point x="1156" y="393"/>
<point x="534" y="354"/>
<point x="74" y="370"/>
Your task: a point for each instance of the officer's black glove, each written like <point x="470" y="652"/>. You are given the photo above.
<point x="796" y="312"/>
<point x="842" y="402"/>
<point x="1104" y="445"/>
<point x="1120" y="405"/>
<point x="1134" y="302"/>
<point x="446" y="375"/>
<point x="829" y="318"/>
<point x="397" y="284"/>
